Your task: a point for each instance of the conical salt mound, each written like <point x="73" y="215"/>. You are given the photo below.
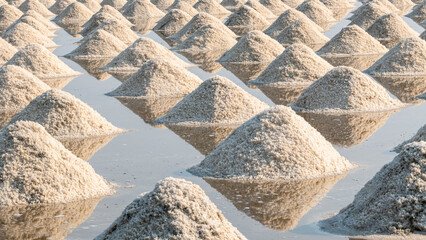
<point x="172" y="22"/>
<point x="35" y="24"/>
<point x="211" y="7"/>
<point x="7" y="51"/>
<point x="15" y="3"/>
<point x="368" y="13"/>
<point x="18" y="87"/>
<point x="115" y="13"/>
<point x="316" y="11"/>
<point x="182" y="210"/>
<point x="385" y="3"/>
<point x="197" y="22"/>
<point x="256" y="5"/>
<point x="142" y="9"/>
<point x="47" y="23"/>
<point x="297" y="65"/>
<point x="184" y="6"/>
<point x="140" y="52"/>
<point x="217" y="101"/>
<point x="336" y="4"/>
<point x="99" y="44"/>
<point x="255" y="46"/>
<point x="232" y="4"/>
<point x="8" y="15"/>
<point x="420" y="136"/>
<point x="419" y="13"/>
<point x="352" y="40"/>
<point x="274" y="144"/>
<point x="302" y="31"/>
<point x="60" y="6"/>
<point x="65" y="116"/>
<point x="96" y="20"/>
<point x="118" y="29"/>
<point x="246" y="16"/>
<point x="285" y="19"/>
<point x="390" y="29"/>
<point x="47" y="3"/>
<point x="37" y="169"/>
<point x="162" y="4"/>
<point x="402" y="5"/>
<point x="36" y="6"/>
<point x="22" y="34"/>
<point x="345" y="89"/>
<point x="275" y="6"/>
<point x="158" y="77"/>
<point x="41" y="62"/>
<point x="391" y="202"/>
<point x="93" y="5"/>
<point x="293" y="3"/>
<point x="207" y="38"/>
<point x="116" y="4"/>
<point x="408" y="57"/>
<point x="76" y="12"/>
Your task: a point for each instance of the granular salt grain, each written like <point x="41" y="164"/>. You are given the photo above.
<point x="297" y="65"/>
<point x="337" y="4"/>
<point x="35" y="5"/>
<point x="158" y="77"/>
<point x="292" y="3"/>
<point x="246" y="18"/>
<point x="182" y="210"/>
<point x="262" y="10"/>
<point x="22" y="34"/>
<point x="35" y="24"/>
<point x="117" y="4"/>
<point x="60" y="6"/>
<point x="64" y="116"/>
<point x="217" y="101"/>
<point x="7" y="51"/>
<point x="76" y="12"/>
<point x="162" y="4"/>
<point x="275" y="144"/>
<point x="18" y="87"/>
<point x="232" y="4"/>
<point x="352" y="40"/>
<point x="142" y="9"/>
<point x="115" y="13"/>
<point x="317" y="12"/>
<point x="255" y="46"/>
<point x="118" y="29"/>
<point x="402" y="5"/>
<point x="275" y="6"/>
<point x="184" y="6"/>
<point x="93" y="5"/>
<point x="211" y="7"/>
<point x="41" y="19"/>
<point x="8" y="15"/>
<point x="345" y="89"/>
<point x="368" y="13"/>
<point x="172" y="22"/>
<point x="418" y="14"/>
<point x="418" y="137"/>
<point x="96" y="20"/>
<point x="392" y="202"/>
<point x="408" y="57"/>
<point x="37" y="169"/>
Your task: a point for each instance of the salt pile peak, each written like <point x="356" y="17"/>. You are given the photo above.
<point x="116" y="4"/>
<point x="352" y="40"/>
<point x="297" y="65"/>
<point x="7" y="51"/>
<point x="391" y="202"/>
<point x="316" y="11"/>
<point x="142" y="9"/>
<point x="402" y="5"/>
<point x="156" y="78"/>
<point x="8" y="15"/>
<point x="345" y="89"/>
<point x="211" y="7"/>
<point x="293" y="3"/>
<point x="118" y="29"/>
<point x="37" y="169"/>
<point x="21" y="34"/>
<point x="337" y="4"/>
<point x="217" y="101"/>
<point x="36" y="6"/>
<point x="60" y="6"/>
<point x="96" y="20"/>
<point x="64" y="116"/>
<point x="255" y="46"/>
<point x="184" y="6"/>
<point x="275" y="6"/>
<point x="418" y="14"/>
<point x="35" y="24"/>
<point x="172" y="22"/>
<point x="274" y="144"/>
<point x="93" y="5"/>
<point x="408" y="57"/>
<point x="76" y="12"/>
<point x="418" y="137"/>
<point x="40" y="18"/>
<point x="183" y="211"/>
<point x="115" y="13"/>
<point x="369" y="12"/>
<point x="262" y="10"/>
<point x="18" y="87"/>
<point x="232" y="4"/>
<point x="246" y="17"/>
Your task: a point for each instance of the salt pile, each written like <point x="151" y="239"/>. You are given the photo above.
<point x="172" y="22"/>
<point x="41" y="62"/>
<point x="232" y="4"/>
<point x="402" y="5"/>
<point x="7" y="51"/>
<point x="60" y="6"/>
<point x="246" y="18"/>
<point x="18" y="87"/>
<point x="184" y="6"/>
<point x="275" y="6"/>
<point x="47" y="3"/>
<point x="262" y="10"/>
<point x="217" y="101"/>
<point x="142" y="9"/>
<point x="408" y="57"/>
<point x="285" y="19"/>
<point x="37" y="169"/>
<point x="117" y="4"/>
<point x="419" y="13"/>
<point x="211" y="7"/>
<point x="15" y="3"/>
<point x="22" y="34"/>
<point x="418" y="137"/>
<point x="93" y="5"/>
<point x="390" y="29"/>
<point x="275" y="144"/>
<point x="96" y="20"/>
<point x="99" y="44"/>
<point x="352" y="40"/>
<point x="118" y="29"/>
<point x="302" y="31"/>
<point x="336" y="4"/>
<point x="297" y="65"/>
<point x="369" y="12"/>
<point x="115" y="13"/>
<point x="391" y="202"/>
<point x="140" y="52"/>
<point x="182" y="210"/>
<point x="207" y="38"/>
<point x="35" y="24"/>
<point x="255" y="46"/>
<point x="158" y="77"/>
<point x="292" y="3"/>
<point x="8" y="15"/>
<point x="423" y="35"/>
<point x="76" y="12"/>
<point x="47" y="23"/>
<point x="317" y="12"/>
<point x="345" y="89"/>
<point x="36" y="6"/>
<point x="162" y="4"/>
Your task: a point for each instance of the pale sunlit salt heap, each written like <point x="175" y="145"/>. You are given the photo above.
<point x="18" y="87"/>
<point x="60" y="6"/>
<point x="115" y="13"/>
<point x="162" y="4"/>
<point x="184" y="6"/>
<point x="345" y="89"/>
<point x="297" y="65"/>
<point x="65" y="116"/>
<point x="392" y="202"/>
<point x="255" y="46"/>
<point x="142" y="9"/>
<point x="96" y="20"/>
<point x="256" y="5"/>
<point x="336" y="4"/>
<point x="403" y="5"/>
<point x="232" y="4"/>
<point x="172" y="22"/>
<point x="41" y="19"/>
<point x="419" y="12"/>
<point x="76" y="12"/>
<point x="247" y="17"/>
<point x="418" y="137"/>
<point x="408" y="57"/>
<point x="8" y="15"/>
<point x="37" y="169"/>
<point x="116" y="4"/>
<point x="22" y="34"/>
<point x="217" y="101"/>
<point x="316" y="11"/>
<point x="36" y="6"/>
<point x="93" y="5"/>
<point x="211" y="7"/>
<point x="182" y="211"/>
<point x="275" y="6"/>
<point x="275" y="144"/>
<point x="158" y="77"/>
<point x="118" y="29"/>
<point x="7" y="51"/>
<point x="35" y="24"/>
<point x="369" y="12"/>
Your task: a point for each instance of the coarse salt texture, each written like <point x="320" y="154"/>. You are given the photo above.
<point x="116" y="4"/>
<point x="8" y="15"/>
<point x="182" y="211"/>
<point x="217" y="101"/>
<point x="232" y="4"/>
<point x="246" y="17"/>
<point x="392" y="202"/>
<point x="293" y="3"/>
<point x="255" y="46"/>
<point x="418" y="14"/>
<point x="316" y="11"/>
<point x="93" y="5"/>
<point x="275" y="6"/>
<point x="275" y="144"/>
<point x="345" y="89"/>
<point x="262" y="10"/>
<point x="35" y="24"/>
<point x="142" y="9"/>
<point x="184" y="6"/>
<point x="158" y="77"/>
<point x="418" y="137"/>
<point x="76" y="12"/>
<point x="408" y="57"/>
<point x="37" y="169"/>
<point x="36" y="6"/>
<point x="402" y="5"/>
<point x="211" y="7"/>
<point x="368" y="13"/>
<point x="7" y="51"/>
<point x="60" y="6"/>
<point x="21" y="34"/>
<point x="115" y="13"/>
<point x="118" y="29"/>
<point x="172" y="22"/>
<point x="96" y="20"/>
<point x="64" y="116"/>
<point x="46" y="22"/>
<point x="297" y="65"/>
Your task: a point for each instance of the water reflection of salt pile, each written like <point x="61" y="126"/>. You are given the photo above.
<point x="85" y="148"/>
<point x="282" y="95"/>
<point x="92" y="67"/>
<point x="205" y="59"/>
<point x="405" y="88"/>
<point x="245" y="71"/>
